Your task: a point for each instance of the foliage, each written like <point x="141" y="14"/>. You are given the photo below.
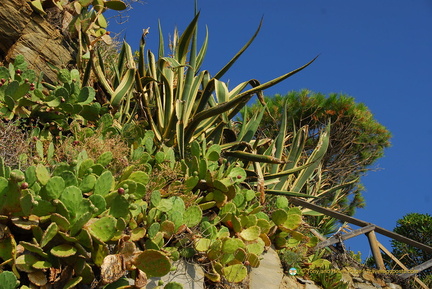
<point x="356" y="141"/>
<point x="47" y="109"/>
<point x="83" y="209"/>
<point x="145" y="166"/>
<point x="419" y="228"/>
<point x="171" y="96"/>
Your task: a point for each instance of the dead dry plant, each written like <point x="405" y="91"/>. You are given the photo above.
<point x="15" y="148"/>
<point x="94" y="146"/>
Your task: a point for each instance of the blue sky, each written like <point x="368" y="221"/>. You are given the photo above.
<point x="379" y="52"/>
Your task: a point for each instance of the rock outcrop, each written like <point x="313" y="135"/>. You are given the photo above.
<point x="39" y="40"/>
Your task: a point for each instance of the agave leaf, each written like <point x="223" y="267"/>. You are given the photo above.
<point x="294" y="156"/>
<point x="260" y="181"/>
<point x="161" y="50"/>
<point x="297" y="147"/>
<point x="121" y="63"/>
<point x="213" y="111"/>
<point x="254" y="157"/>
<point x="250" y="127"/>
<point x="202" y="52"/>
<point x="191" y="98"/>
<point x="288" y="193"/>
<point x="338" y="187"/>
<point x="98" y="69"/>
<point x="286" y="172"/>
<point x="207" y="93"/>
<point x="279" y="142"/>
<point x="185" y="39"/>
<point x="234" y="59"/>
<point x="314" y="160"/>
<point x="275" y="81"/>
<point x="124" y="87"/>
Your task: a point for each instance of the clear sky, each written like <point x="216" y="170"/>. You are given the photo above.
<point x="379" y="52"/>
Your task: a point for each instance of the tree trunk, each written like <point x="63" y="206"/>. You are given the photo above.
<point x="39" y="40"/>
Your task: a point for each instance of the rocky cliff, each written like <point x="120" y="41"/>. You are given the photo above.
<point x="39" y="38"/>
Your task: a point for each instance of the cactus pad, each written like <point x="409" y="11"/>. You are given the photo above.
<point x="153" y="262"/>
<point x="64" y="250"/>
<point x="103" y="229"/>
<point x="8" y="280"/>
<point x="235" y="273"/>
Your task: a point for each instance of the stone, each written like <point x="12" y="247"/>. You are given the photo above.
<point x="368" y="275"/>
<point x="191" y="276"/>
<point x="376" y="285"/>
<point x="353" y="271"/>
<point x="14" y="17"/>
<point x="24" y="32"/>
<point x="393" y="286"/>
<point x="269" y="274"/>
<point x="364" y="286"/>
<point x="289" y="282"/>
<point x="312" y="286"/>
<point x="358" y="279"/>
<point x="346" y="277"/>
<point x="304" y="281"/>
<point x="380" y="282"/>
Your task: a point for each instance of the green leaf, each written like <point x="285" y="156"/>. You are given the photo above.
<point x="37" y="5"/>
<point x="153" y="262"/>
<point x="250" y="234"/>
<point x="173" y="285"/>
<point x="49" y="234"/>
<point x="139" y="177"/>
<point x="124" y="87"/>
<point x="8" y="280"/>
<point x="115" y="5"/>
<point x="279" y="216"/>
<point x="234" y="59"/>
<point x="86" y="95"/>
<point x="73" y="282"/>
<point x="230" y="245"/>
<point x="42" y="174"/>
<point x="314" y="160"/>
<point x="119" y="207"/>
<point x="54" y="187"/>
<point x="43" y="265"/>
<point x="165" y="205"/>
<point x="192" y="216"/>
<point x="64" y="76"/>
<point x="103" y="229"/>
<point x="202" y="244"/>
<point x="235" y="273"/>
<point x="104" y="183"/>
<point x="61" y="221"/>
<point x="64" y="250"/>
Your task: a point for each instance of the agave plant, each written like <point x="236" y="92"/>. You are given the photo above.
<point x="175" y="99"/>
<point x="279" y="165"/>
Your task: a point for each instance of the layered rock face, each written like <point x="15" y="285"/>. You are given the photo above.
<point x="38" y="38"/>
